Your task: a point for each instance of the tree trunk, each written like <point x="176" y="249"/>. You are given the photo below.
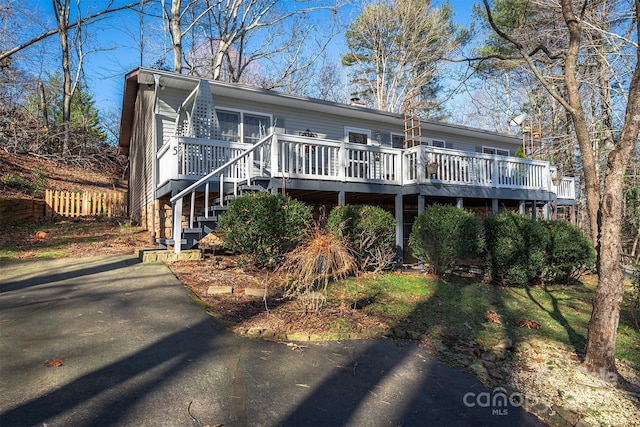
<point x="600" y="357"/>
<point x="43" y="104"/>
<point x="591" y="180"/>
<point x="176" y="35"/>
<point x="61" y="9"/>
<point x="601" y="340"/>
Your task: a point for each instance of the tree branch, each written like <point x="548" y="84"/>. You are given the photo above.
<point x="7" y="53"/>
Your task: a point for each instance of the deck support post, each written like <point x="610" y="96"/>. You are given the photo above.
<point x="522" y="207"/>
<point x="547" y="210"/>
<point x="494" y="206"/>
<point x="534" y="210"/>
<point x="399" y="229"/>
<point x="176" y="233"/>
<point x="460" y="203"/>
<point x="342" y="198"/>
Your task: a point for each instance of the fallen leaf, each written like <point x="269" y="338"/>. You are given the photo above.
<point x="494" y="317"/>
<point x="51" y="363"/>
<point x="527" y="323"/>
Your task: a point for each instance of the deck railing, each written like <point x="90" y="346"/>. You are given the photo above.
<point x="321" y="159"/>
<point x="428" y="164"/>
<point x="291" y="156"/>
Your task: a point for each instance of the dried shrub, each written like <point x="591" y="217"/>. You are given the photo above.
<point x="321" y="257"/>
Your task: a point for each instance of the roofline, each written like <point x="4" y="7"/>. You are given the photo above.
<point x="274" y="97"/>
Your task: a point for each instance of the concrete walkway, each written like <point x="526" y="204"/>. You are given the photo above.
<point x="139" y="351"/>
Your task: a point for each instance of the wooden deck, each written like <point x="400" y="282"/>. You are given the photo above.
<point x="326" y="161"/>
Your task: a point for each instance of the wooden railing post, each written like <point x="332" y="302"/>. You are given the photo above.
<point x="495" y="176"/>
<point x="342" y="162"/>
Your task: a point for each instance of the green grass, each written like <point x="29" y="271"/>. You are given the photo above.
<point x="456" y="308"/>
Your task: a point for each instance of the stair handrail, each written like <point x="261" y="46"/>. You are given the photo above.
<point x="176" y="201"/>
<point x="213" y="173"/>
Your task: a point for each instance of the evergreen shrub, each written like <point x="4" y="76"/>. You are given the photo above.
<point x="515" y="248"/>
<point x="570" y="252"/>
<point x="370" y="230"/>
<point x="264" y="226"/>
<point x="444" y="235"/>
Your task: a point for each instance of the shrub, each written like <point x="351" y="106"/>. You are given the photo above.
<point x="515" y="248"/>
<point x="444" y="235"/>
<point x="569" y="252"/>
<point x="371" y="232"/>
<point x="264" y="226"/>
<point x="40" y="181"/>
<point x="16" y="181"/>
<point x="319" y="258"/>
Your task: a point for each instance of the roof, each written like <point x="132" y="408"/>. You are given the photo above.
<point x="242" y="91"/>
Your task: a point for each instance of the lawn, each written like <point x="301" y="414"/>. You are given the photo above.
<point x="468" y="309"/>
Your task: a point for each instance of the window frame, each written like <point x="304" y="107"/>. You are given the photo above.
<point x="241" y="129"/>
<point x="436" y="143"/>
<point x="349" y="130"/>
<point x="404" y="140"/>
<point x="496" y="151"/>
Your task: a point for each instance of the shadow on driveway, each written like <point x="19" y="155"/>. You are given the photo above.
<point x="138" y="351"/>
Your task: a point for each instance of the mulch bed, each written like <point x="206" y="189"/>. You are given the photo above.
<point x="240" y="312"/>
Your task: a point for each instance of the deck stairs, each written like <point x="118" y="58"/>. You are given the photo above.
<point x="207" y="220"/>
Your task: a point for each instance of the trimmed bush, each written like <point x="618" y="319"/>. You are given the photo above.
<point x="444" y="235"/>
<point x="570" y="252"/>
<point x="516" y="248"/>
<point x="370" y="230"/>
<point x="264" y="226"/>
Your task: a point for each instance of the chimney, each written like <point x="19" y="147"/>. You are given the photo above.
<point x="356" y="101"/>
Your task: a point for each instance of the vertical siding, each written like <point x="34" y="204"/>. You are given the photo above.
<point x="141" y="158"/>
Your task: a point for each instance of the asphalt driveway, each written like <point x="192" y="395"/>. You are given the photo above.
<point x="137" y="350"/>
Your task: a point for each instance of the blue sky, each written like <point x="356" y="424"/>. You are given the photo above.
<point x="105" y="69"/>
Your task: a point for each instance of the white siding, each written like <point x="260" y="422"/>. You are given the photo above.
<point x="325" y="125"/>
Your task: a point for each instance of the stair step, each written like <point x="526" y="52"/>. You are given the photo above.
<point x="253" y="187"/>
<point x="191" y="231"/>
<point x="164" y="242"/>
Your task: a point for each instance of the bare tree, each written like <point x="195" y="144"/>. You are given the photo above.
<point x="260" y="41"/>
<point x="10" y="51"/>
<point x="564" y="47"/>
<point x="62" y="9"/>
<point x="174" y="14"/>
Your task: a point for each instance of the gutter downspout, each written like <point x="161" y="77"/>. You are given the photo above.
<point x="154" y="154"/>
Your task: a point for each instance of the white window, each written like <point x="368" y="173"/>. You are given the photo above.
<point x="240" y="126"/>
<point x="255" y="127"/>
<point x="494" y="150"/>
<point x="437" y="143"/>
<point x="397" y="140"/>
<point x="229" y="125"/>
<point x="357" y="136"/>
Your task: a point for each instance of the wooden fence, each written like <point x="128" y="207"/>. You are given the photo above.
<point x="72" y="204"/>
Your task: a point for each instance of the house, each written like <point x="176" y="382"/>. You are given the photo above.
<point x="193" y="144"/>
